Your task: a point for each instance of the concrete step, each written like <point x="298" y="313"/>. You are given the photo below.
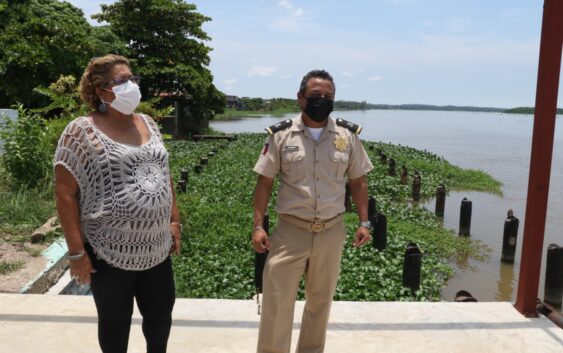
<point x="66" y="323"/>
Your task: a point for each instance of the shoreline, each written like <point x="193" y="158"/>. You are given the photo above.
<point x="233" y="115"/>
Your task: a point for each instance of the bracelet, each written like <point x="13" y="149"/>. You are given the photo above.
<point x="76" y="257"/>
<point x="258" y="228"/>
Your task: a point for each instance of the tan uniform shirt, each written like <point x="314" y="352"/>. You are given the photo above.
<point x="313" y="173"/>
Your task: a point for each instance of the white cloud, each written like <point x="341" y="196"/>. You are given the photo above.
<point x="348" y="73"/>
<point x="375" y="78"/>
<point x="288" y="5"/>
<point x="285" y="4"/>
<point x="263" y="71"/>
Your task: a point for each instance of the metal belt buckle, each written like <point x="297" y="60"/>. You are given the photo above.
<point x="316" y="227"/>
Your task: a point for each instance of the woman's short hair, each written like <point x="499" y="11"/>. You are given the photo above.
<point x="98" y="74"/>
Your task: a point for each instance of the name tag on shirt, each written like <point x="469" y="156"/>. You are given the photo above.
<point x="291" y="148"/>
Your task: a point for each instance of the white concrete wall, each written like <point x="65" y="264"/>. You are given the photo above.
<point x="10" y="113"/>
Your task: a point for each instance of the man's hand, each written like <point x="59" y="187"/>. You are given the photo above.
<point x="260" y="241"/>
<point x="362" y="237"/>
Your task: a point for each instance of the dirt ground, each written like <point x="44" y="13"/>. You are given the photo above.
<point x="14" y="281"/>
<point x="26" y="254"/>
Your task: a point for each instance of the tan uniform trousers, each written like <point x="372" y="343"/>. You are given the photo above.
<point x="296" y="251"/>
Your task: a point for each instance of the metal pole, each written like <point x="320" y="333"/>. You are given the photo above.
<point x="540" y="160"/>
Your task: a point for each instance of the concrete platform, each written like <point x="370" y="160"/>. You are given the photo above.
<point x="51" y="323"/>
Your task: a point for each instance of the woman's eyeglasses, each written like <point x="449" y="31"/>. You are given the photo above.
<point x="122" y="80"/>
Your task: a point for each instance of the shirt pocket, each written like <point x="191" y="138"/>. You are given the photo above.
<point x="293" y="165"/>
<point x="339" y="164"/>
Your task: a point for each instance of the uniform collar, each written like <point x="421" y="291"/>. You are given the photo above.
<point x="299" y="125"/>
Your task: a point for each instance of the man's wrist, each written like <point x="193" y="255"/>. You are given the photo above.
<point x="366" y="224"/>
<point x="256" y="228"/>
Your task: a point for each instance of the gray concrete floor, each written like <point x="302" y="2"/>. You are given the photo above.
<point x="57" y="323"/>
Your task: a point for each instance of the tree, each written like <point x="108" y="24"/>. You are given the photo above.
<point x="42" y="40"/>
<point x="166" y="44"/>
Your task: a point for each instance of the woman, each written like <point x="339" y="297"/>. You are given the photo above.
<point x="117" y="207"/>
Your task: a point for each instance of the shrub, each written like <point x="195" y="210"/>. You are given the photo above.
<point x="26" y="152"/>
<point x="64" y="97"/>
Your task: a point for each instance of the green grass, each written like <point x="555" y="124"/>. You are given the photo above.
<point x="23" y="210"/>
<point x="8" y="267"/>
<point x="434" y="170"/>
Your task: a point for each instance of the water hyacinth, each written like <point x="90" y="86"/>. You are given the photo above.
<point x="217" y="260"/>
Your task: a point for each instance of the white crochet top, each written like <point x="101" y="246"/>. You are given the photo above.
<point x="125" y="197"/>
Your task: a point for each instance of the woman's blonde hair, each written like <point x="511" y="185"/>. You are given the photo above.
<point x="98" y="74"/>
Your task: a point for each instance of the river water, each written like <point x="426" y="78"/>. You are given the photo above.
<point x="499" y="144"/>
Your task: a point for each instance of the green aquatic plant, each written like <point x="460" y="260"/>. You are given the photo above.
<point x="217" y="260"/>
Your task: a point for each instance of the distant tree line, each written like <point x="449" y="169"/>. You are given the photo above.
<point x="526" y="110"/>
<point x="269" y="105"/>
<point x="286" y="104"/>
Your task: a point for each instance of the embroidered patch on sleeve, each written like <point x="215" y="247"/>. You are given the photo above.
<point x="265" y="148"/>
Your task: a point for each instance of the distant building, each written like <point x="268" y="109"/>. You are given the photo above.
<point x="234" y="102"/>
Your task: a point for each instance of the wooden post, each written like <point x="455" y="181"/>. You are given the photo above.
<point x="440" y="201"/>
<point x="182" y="186"/>
<point x="411" y="267"/>
<point x="184" y="174"/>
<point x="509" y="237"/>
<point x="416" y="186"/>
<point x="554" y="276"/>
<point x="392" y="165"/>
<point x="404" y="175"/>
<point x="465" y="217"/>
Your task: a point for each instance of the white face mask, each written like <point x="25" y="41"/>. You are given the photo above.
<point x="127" y="97"/>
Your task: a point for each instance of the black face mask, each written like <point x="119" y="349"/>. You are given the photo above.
<point x="318" y="108"/>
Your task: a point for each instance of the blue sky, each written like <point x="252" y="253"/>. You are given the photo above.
<point x="477" y="52"/>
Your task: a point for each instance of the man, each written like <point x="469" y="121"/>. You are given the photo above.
<point x="313" y="154"/>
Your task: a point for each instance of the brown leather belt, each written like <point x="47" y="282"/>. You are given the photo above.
<point x="315" y="226"/>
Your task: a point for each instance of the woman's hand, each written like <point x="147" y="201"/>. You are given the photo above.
<point x="176" y="231"/>
<point x="81" y="269"/>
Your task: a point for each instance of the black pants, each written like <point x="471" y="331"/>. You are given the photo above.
<point x="114" y="290"/>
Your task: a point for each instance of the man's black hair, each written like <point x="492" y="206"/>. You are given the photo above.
<point x="322" y="74"/>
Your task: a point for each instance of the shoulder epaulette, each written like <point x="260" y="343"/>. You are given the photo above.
<point x="348" y="125"/>
<point x="278" y="126"/>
